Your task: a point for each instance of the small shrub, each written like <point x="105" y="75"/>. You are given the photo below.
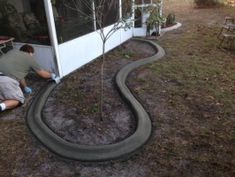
<point x="208" y="3"/>
<point x="170" y="19"/>
<point x="154" y="20"/>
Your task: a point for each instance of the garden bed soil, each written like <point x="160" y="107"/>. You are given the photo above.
<point x="72" y="111"/>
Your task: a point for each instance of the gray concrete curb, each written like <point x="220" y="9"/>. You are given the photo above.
<point x="96" y="152"/>
<point x="176" y="26"/>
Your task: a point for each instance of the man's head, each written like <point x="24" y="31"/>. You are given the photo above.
<point x="27" y="48"/>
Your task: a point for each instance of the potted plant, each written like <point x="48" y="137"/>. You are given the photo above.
<point x="155" y="19"/>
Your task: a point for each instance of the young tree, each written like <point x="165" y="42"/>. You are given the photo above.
<point x="103" y="13"/>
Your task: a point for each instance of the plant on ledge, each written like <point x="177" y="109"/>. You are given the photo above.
<point x="170" y="20"/>
<point x="155" y="19"/>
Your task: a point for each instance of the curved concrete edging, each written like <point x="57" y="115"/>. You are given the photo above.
<point x="96" y="152"/>
<point x="177" y="25"/>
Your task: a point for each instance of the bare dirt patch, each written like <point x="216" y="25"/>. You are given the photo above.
<point x="72" y="111"/>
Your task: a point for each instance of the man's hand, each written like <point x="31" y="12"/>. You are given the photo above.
<point x="27" y="90"/>
<point x="55" y="78"/>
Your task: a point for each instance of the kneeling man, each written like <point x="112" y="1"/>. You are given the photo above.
<point x="14" y="66"/>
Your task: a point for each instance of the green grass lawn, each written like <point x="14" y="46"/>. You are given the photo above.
<point x="195" y="84"/>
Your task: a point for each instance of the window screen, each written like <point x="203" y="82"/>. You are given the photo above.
<point x="73" y="18"/>
<point x="126" y="8"/>
<point x="107" y="12"/>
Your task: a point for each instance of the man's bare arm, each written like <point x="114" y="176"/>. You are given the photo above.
<point x="44" y="74"/>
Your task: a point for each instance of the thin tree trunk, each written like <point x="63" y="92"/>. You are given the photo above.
<point x="102" y="82"/>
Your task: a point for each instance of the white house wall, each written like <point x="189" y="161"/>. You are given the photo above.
<point x="126" y="34"/>
<point x="75" y="53"/>
<point x="139" y="31"/>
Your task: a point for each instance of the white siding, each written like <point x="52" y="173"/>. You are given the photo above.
<point x="75" y="53"/>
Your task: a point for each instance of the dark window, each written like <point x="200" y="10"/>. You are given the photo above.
<point x="73" y="18"/>
<point x="138" y="17"/>
<point x="107" y="12"/>
<point x="26" y="22"/>
<point x="126" y="8"/>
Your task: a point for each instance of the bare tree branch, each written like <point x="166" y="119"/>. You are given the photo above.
<point x="100" y="15"/>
